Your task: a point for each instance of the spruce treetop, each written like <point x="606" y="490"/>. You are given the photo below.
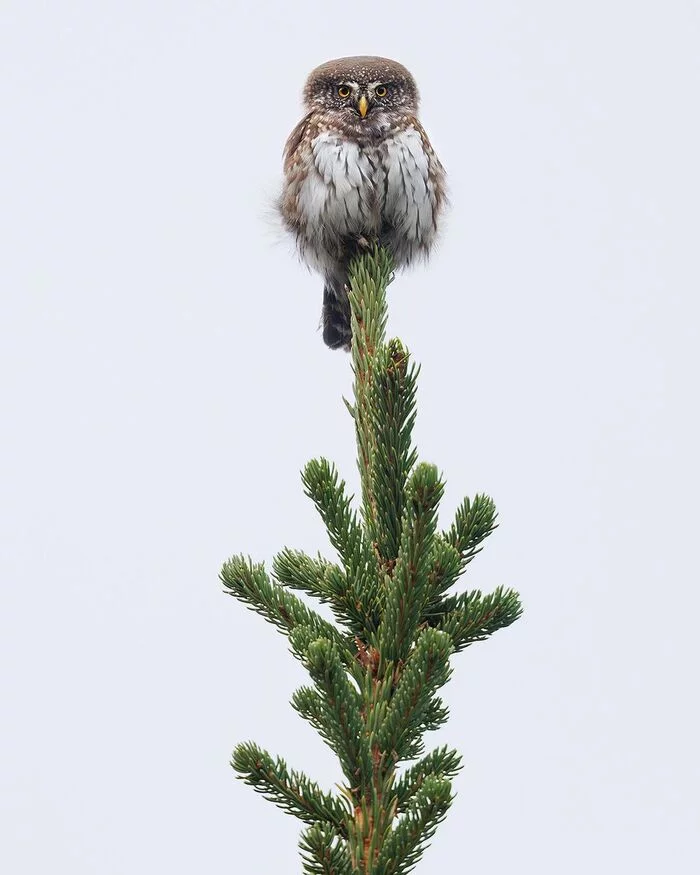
<point x="376" y="672"/>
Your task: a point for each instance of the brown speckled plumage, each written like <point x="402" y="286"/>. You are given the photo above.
<point x="358" y="168"/>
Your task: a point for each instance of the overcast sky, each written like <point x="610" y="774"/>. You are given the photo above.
<point x="163" y="381"/>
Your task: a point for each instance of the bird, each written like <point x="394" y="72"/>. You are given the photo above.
<point x="359" y="170"/>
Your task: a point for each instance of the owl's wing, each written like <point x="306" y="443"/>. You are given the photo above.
<point x="436" y="170"/>
<point x="294" y="140"/>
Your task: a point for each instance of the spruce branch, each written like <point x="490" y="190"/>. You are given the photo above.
<point x="250" y="583"/>
<point x="327" y="491"/>
<point x="324" y="852"/>
<point x="412" y="703"/>
<point x="471" y="616"/>
<point x="436" y="715"/>
<point x="339" y="704"/>
<point x="360" y="600"/>
<point x="304" y="573"/>
<point x="439" y="763"/>
<point x="392" y="411"/>
<point x="407" y="841"/>
<point x="322" y="579"/>
<point x="474" y="521"/>
<point x="310" y="705"/>
<point x="407" y="587"/>
<point x="446" y="567"/>
<point x="290" y="790"/>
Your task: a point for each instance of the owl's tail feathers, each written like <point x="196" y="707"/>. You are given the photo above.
<point x="335" y="316"/>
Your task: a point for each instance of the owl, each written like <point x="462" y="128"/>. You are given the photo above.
<point x="359" y="169"/>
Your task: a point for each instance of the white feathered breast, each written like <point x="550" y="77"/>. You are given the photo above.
<point x="351" y="189"/>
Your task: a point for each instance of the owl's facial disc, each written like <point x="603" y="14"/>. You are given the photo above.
<point x="369" y="94"/>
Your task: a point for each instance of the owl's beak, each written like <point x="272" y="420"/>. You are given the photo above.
<point x="363" y="105"/>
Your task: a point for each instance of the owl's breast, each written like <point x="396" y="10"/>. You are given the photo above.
<point x="412" y="194"/>
<point x="391" y="189"/>
<point x="340" y="193"/>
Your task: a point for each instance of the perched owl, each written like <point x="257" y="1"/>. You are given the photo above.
<point x="359" y="168"/>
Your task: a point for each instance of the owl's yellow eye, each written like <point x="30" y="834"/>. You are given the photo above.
<point x="380" y="91"/>
<point x="343" y="91"/>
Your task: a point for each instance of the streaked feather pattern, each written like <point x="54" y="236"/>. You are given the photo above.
<point x="350" y="180"/>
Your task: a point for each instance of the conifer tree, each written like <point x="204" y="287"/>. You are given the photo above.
<point x="376" y="673"/>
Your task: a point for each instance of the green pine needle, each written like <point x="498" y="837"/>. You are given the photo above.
<point x="472" y="617"/>
<point x="425" y="671"/>
<point x="327" y="492"/>
<point x="250" y="583"/>
<point x="290" y="790"/>
<point x="324" y="852"/>
<point x="407" y="841"/>
<point x="340" y="702"/>
<point x="407" y="587"/>
<point x="439" y="763"/>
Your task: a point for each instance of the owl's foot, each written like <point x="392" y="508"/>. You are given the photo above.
<point x="364" y="243"/>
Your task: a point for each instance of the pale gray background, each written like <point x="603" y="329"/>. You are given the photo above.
<point x="163" y="382"/>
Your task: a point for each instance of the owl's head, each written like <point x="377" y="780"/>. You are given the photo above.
<point x="363" y="92"/>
